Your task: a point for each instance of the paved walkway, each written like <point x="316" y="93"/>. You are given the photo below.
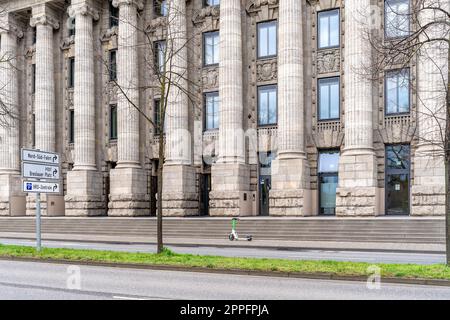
<point x="275" y="244"/>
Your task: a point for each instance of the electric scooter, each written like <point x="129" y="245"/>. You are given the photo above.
<point x="233" y="236"/>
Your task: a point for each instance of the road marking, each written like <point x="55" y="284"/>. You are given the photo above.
<point x="128" y="298"/>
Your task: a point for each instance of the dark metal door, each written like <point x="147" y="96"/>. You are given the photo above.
<point x="264" y="192"/>
<point x="397" y="180"/>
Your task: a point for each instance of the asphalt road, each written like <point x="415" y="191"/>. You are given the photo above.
<point x="32" y="280"/>
<point x="337" y="255"/>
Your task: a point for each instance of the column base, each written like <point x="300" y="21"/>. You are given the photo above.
<point x="85" y="194"/>
<point x="12" y="200"/>
<point x="358" y="193"/>
<point x="231" y="195"/>
<point x="428" y="190"/>
<point x="51" y="205"/>
<point x="290" y="195"/>
<point x="180" y="196"/>
<point x="128" y="197"/>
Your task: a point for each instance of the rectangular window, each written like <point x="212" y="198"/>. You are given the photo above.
<point x="267" y="39"/>
<point x="157" y="117"/>
<point x="267" y="105"/>
<point x="397" y="91"/>
<point x="113" y="15"/>
<point x="396" y="18"/>
<point x="71" y="126"/>
<point x="113" y="65"/>
<point x="211" y="2"/>
<point x="34" y="35"/>
<point x="212" y="110"/>
<point x="161" y="9"/>
<point x="71" y="79"/>
<point x="328" y="29"/>
<point x="329" y="99"/>
<point x="113" y="122"/>
<point x="71" y="27"/>
<point x="33" y="78"/>
<point x="211" y="48"/>
<point x="159" y="52"/>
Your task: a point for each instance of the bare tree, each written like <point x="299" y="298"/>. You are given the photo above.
<point x="166" y="62"/>
<point x="419" y="30"/>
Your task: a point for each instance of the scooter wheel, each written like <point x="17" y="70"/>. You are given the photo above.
<point x="249" y="238"/>
<point x="231" y="237"/>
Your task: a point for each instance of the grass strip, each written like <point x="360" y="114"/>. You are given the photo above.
<point x="169" y="258"/>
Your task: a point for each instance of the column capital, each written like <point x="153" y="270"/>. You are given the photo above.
<point x="138" y="3"/>
<point x="84" y="8"/>
<point x="9" y="25"/>
<point x="44" y="20"/>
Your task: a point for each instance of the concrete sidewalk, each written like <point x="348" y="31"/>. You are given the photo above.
<point x="269" y="244"/>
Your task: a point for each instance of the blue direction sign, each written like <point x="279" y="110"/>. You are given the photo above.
<point x="41" y="187"/>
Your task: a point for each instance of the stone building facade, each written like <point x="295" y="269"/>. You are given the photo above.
<point x="273" y="116"/>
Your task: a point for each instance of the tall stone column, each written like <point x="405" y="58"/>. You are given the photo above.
<point x="180" y="197"/>
<point x="357" y="193"/>
<point x="10" y="183"/>
<point x="128" y="181"/>
<point x="290" y="194"/>
<point x="45" y="20"/>
<point x="84" y="183"/>
<point x="428" y="189"/>
<point x="231" y="175"/>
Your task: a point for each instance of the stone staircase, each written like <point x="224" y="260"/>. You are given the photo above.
<point x="395" y="230"/>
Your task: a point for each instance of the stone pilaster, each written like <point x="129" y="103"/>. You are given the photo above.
<point x="357" y="193"/>
<point x="84" y="183"/>
<point x="179" y="182"/>
<point x="45" y="20"/>
<point x="428" y="189"/>
<point x="290" y="194"/>
<point x="230" y="193"/>
<point x="10" y="186"/>
<point x="128" y="181"/>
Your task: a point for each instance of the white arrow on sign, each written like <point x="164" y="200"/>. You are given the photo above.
<point x="40" y="187"/>
<point x="40" y="156"/>
<point x="40" y="171"/>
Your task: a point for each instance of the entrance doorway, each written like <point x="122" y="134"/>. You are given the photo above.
<point x="205" y="189"/>
<point x="265" y="181"/>
<point x="328" y="181"/>
<point x="397" y="180"/>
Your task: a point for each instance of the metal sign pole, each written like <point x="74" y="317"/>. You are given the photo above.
<point x="38" y="222"/>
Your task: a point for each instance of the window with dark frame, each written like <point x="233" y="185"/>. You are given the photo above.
<point x="328" y="29"/>
<point x="113" y="65"/>
<point x="71" y="78"/>
<point x="157" y="116"/>
<point x="33" y="78"/>
<point x="212" y="110"/>
<point x="160" y="8"/>
<point x="71" y="126"/>
<point x="211" y="48"/>
<point x="113" y="122"/>
<point x="113" y="15"/>
<point x="396" y="18"/>
<point x="34" y="35"/>
<point x="211" y="2"/>
<point x="71" y="27"/>
<point x="328" y="99"/>
<point x="267" y="105"/>
<point x="159" y="55"/>
<point x="397" y="91"/>
<point x="267" y="39"/>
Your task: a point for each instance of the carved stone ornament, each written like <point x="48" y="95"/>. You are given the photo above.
<point x="255" y="5"/>
<point x="208" y="12"/>
<point x="210" y="78"/>
<point x="328" y="61"/>
<point x="267" y="70"/>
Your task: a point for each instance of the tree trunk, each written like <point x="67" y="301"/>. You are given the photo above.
<point x="447" y="167"/>
<point x="159" y="228"/>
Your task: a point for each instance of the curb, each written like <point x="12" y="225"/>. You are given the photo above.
<point x="244" y="246"/>
<point x="298" y="275"/>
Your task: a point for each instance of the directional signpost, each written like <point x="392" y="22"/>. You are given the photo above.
<point x="42" y="173"/>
